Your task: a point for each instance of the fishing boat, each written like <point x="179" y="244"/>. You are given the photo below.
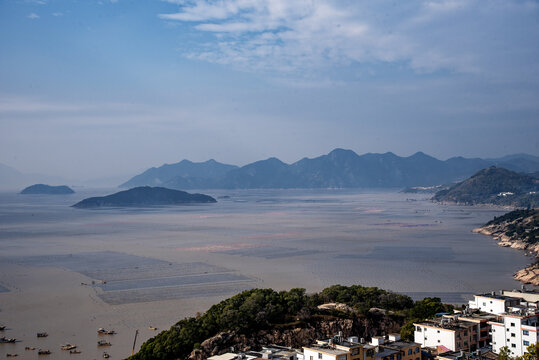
<point x="29" y="348"/>
<point x="68" y="347"/>
<point x="42" y="334"/>
<point x="4" y="339"/>
<point x="43" y="352"/>
<point x="2" y="327"/>
<point x="106" y="355"/>
<point x="103" y="343"/>
<point x="75" y="351"/>
<point x="11" y="355"/>
<point x="152" y="328"/>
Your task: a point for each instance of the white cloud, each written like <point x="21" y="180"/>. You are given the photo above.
<point x="33" y="16"/>
<point x="57" y="14"/>
<point x="306" y="36"/>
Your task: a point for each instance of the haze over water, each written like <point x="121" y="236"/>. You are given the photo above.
<point x="161" y="264"/>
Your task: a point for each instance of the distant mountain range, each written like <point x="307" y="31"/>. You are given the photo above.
<point x="494" y="185"/>
<point x="338" y="169"/>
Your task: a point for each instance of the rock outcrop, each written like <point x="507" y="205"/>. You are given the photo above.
<point x="296" y="336"/>
<point x="518" y="230"/>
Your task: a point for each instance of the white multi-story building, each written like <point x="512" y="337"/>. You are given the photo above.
<point x="517" y="330"/>
<point x="493" y="303"/>
<point x="446" y="333"/>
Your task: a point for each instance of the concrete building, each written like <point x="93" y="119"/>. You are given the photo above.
<point x="452" y="333"/>
<point x="493" y="303"/>
<point x="516" y="329"/>
<point x="337" y="348"/>
<point x="395" y="349"/>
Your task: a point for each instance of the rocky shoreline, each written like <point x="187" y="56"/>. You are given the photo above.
<point x="498" y="231"/>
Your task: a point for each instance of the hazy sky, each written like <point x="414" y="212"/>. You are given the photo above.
<point x="97" y="88"/>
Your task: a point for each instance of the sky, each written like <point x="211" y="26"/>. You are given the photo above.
<point x="107" y="88"/>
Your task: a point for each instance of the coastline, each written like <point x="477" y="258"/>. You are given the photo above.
<point x="528" y="275"/>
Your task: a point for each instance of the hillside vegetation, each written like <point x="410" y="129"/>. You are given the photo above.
<point x="252" y="312"/>
<point x="496" y="186"/>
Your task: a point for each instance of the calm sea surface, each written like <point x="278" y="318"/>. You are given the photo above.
<point x="142" y="260"/>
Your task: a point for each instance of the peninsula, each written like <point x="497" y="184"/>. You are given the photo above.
<point x="144" y="196"/>
<point x="496" y="186"/>
<point x="47" y="189"/>
<point x="518" y="229"/>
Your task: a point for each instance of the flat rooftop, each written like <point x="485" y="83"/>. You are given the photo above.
<point x="326" y="349"/>
<point x="451" y="325"/>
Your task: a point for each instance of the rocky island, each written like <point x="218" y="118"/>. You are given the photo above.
<point x="47" y="189"/>
<point x="518" y="229"/>
<point x="145" y="196"/>
<point x="496" y="186"/>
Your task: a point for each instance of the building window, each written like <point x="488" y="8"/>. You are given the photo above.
<point x="484" y="304"/>
<point x="512" y="334"/>
<point x="418" y="329"/>
<point x="438" y="340"/>
<point x="311" y="357"/>
<point x="409" y="351"/>
<point x="416" y="350"/>
<point x="438" y="331"/>
<point x="512" y="324"/>
<point x="320" y="355"/>
<point x="526" y="343"/>
<point x="525" y="332"/>
<point x="399" y="356"/>
<point x="513" y="345"/>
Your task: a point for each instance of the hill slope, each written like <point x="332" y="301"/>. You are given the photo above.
<point x="184" y="174"/>
<point x="144" y="196"/>
<point x="494" y="186"/>
<point x="47" y="189"/>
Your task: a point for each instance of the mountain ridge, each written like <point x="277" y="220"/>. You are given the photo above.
<point x="340" y="168"/>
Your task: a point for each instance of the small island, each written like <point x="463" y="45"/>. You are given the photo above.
<point x="145" y="196"/>
<point x="48" y="190"/>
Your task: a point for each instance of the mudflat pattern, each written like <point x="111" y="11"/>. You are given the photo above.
<point x="125" y="278"/>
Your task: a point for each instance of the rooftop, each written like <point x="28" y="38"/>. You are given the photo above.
<point x="400" y="344"/>
<point x="448" y="324"/>
<point x="326" y="349"/>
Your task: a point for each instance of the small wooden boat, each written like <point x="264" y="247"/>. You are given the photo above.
<point x="11" y="355"/>
<point x="68" y="347"/>
<point x="43" y="352"/>
<point x="152" y="328"/>
<point x="4" y="339"/>
<point x="106" y="355"/>
<point x="2" y="327"/>
<point x="103" y="343"/>
<point x="29" y="348"/>
<point x="75" y="351"/>
<point x="42" y="334"/>
<point x="102" y="331"/>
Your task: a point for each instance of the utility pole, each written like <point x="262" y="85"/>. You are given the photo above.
<point x="134" y="342"/>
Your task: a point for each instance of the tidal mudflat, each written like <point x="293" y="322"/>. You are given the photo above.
<point x="70" y="271"/>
